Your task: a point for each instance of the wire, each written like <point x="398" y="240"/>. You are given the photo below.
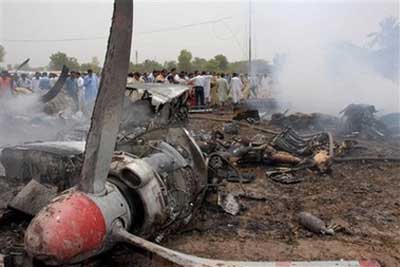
<point x="105" y="37"/>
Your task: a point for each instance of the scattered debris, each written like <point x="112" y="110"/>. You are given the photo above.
<point x="303" y="121"/>
<point x="285" y="178"/>
<point x="229" y="203"/>
<point x="314" y="224"/>
<point x="231" y="128"/>
<point x="250" y="115"/>
<point x="359" y="119"/>
<point x="392" y="123"/>
<point x="33" y="197"/>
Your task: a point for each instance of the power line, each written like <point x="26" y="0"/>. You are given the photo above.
<point x="166" y="29"/>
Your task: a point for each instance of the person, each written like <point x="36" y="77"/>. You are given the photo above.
<point x="162" y="77"/>
<point x="207" y="85"/>
<point x="44" y="83"/>
<point x="137" y="78"/>
<point x="130" y="78"/>
<point x="91" y="83"/>
<point x="71" y="87"/>
<point x="25" y="82"/>
<point x="236" y="88"/>
<point x="198" y="86"/>
<point x="145" y="77"/>
<point x="181" y="78"/>
<point x="214" y="91"/>
<point x="53" y="79"/>
<point x="173" y="77"/>
<point x="246" y="86"/>
<point x="80" y="86"/>
<point x="5" y="84"/>
<point x="266" y="89"/>
<point x="222" y="88"/>
<point x="35" y="82"/>
<point x="152" y="76"/>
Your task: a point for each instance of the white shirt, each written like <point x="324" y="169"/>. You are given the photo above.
<point x="236" y="84"/>
<point x="198" y="81"/>
<point x="35" y="84"/>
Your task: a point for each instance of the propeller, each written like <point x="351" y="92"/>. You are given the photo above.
<point x="75" y="225"/>
<point x="23" y="64"/>
<point x="53" y="92"/>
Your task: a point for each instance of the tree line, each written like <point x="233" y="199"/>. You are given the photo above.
<point x="184" y="62"/>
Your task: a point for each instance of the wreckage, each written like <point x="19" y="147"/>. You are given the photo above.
<point x="129" y="185"/>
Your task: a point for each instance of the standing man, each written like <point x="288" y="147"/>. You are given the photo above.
<point x="71" y="88"/>
<point x="162" y="77"/>
<point x="222" y="89"/>
<point x="53" y="79"/>
<point x="35" y="82"/>
<point x="5" y="85"/>
<point x="44" y="83"/>
<point x="25" y="82"/>
<point x="236" y="88"/>
<point x="207" y="85"/>
<point x="91" y="84"/>
<point x="198" y="86"/>
<point x="80" y="84"/>
<point x="173" y="77"/>
<point x="214" y="99"/>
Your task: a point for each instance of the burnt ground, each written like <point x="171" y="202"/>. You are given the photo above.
<point x="363" y="197"/>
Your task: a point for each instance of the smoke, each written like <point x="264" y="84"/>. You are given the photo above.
<point x="315" y="80"/>
<point x="22" y="120"/>
<point x="328" y="58"/>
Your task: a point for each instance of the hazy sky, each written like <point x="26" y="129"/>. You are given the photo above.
<point x="279" y="27"/>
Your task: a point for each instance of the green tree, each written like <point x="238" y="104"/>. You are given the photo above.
<point x="59" y="59"/>
<point x="93" y="65"/>
<point x="184" y="60"/>
<point x="199" y="64"/>
<point x="147" y="66"/>
<point x="222" y="62"/>
<point x="170" y="65"/>
<point x="212" y="65"/>
<point x="2" y="53"/>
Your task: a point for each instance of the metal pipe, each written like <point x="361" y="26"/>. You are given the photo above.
<point x="182" y="259"/>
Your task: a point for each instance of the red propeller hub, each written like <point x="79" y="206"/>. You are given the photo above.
<point x="70" y="228"/>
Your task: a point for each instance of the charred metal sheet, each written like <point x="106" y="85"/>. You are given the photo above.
<point x="55" y="163"/>
<point x="154" y="105"/>
<point x="159" y="93"/>
<point x="23" y="64"/>
<point x="33" y="197"/>
<point x="108" y="106"/>
<point x="53" y="92"/>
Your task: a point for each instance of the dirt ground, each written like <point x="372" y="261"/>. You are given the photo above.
<point x="363" y="197"/>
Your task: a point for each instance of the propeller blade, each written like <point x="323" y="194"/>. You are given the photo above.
<point x="53" y="92"/>
<point x="23" y="64"/>
<point x="106" y="116"/>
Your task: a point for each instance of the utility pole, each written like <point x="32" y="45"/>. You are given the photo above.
<point x="136" y="57"/>
<point x="250" y="34"/>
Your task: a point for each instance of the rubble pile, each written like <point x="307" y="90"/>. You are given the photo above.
<point x="359" y="119"/>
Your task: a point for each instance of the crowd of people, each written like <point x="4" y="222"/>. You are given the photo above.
<point x="79" y="86"/>
<point x="208" y="89"/>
